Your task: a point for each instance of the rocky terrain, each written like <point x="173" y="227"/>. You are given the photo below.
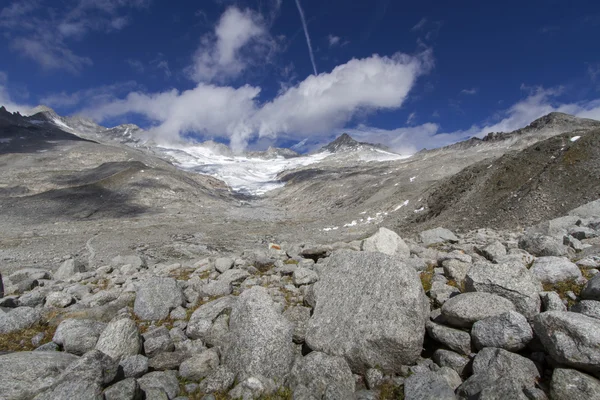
<point x="465" y="272"/>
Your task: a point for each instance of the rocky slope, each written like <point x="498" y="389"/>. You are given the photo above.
<point x="486" y="314"/>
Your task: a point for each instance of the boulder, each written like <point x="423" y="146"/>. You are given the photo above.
<point x="162" y="380"/>
<point x="223" y="264"/>
<point x="223" y="285"/>
<point x="437" y="235"/>
<point x="84" y="378"/>
<point x="298" y="316"/>
<point x="381" y="324"/>
<point x="68" y="269"/>
<point x="450" y="359"/>
<point x="591" y="291"/>
<point x="317" y="371"/>
<point x="569" y="384"/>
<point x="31" y="274"/>
<point x="456" y="269"/>
<point x="387" y="242"/>
<point x="555" y="270"/>
<point x="157" y="341"/>
<point x="509" y="280"/>
<point x="304" y="276"/>
<point x="591" y="308"/>
<point x="454" y="339"/>
<point x="588" y="210"/>
<point x="551" y="301"/>
<point x="504" y="372"/>
<point x="134" y="366"/>
<point x="167" y="360"/>
<point x="493" y="251"/>
<point x="59" y="300"/>
<point x="120" y="339"/>
<point x="570" y="338"/>
<point x="156" y="297"/>
<point x="199" y="366"/>
<point x="136" y="262"/>
<point x="542" y="245"/>
<point x="427" y="386"/>
<point x="260" y="338"/>
<point x="202" y="319"/>
<point x="18" y="319"/>
<point x="127" y="389"/>
<point x="219" y="380"/>
<point x="25" y="374"/>
<point x="509" y="331"/>
<point x="464" y="310"/>
<point x="78" y="336"/>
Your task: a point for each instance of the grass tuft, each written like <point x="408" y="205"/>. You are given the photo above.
<point x="21" y="340"/>
<point x="427" y="277"/>
<point x="389" y="391"/>
<point x="563" y="287"/>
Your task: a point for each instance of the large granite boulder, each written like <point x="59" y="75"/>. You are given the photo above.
<point x="370" y="309"/>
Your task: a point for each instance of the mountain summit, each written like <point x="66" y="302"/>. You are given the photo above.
<point x="346" y="142"/>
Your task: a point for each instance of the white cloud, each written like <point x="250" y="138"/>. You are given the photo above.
<point x="239" y="38"/>
<point x="333" y="40"/>
<point x="316" y="105"/>
<point x="89" y="97"/>
<point x="469" y="91"/>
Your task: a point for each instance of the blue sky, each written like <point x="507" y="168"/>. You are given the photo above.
<point x="407" y="75"/>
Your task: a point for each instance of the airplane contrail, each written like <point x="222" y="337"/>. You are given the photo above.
<point x="310" y="51"/>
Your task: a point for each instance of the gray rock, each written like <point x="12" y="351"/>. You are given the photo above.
<point x="223" y="285"/>
<point x="492" y="365"/>
<point x="591" y="308"/>
<point x="136" y="262"/>
<point x="465" y="309"/>
<point x="555" y="270"/>
<point x="509" y="331"/>
<point x="218" y="332"/>
<point x="59" y="300"/>
<point x="298" y="316"/>
<point x="260" y="339"/>
<point x="78" y="336"/>
<point x="450" y="359"/>
<point x="219" y="380"/>
<point x="167" y="361"/>
<point x="157" y="341"/>
<point x="223" y="264"/>
<point x="454" y="339"/>
<point x="451" y="377"/>
<point x="68" y="269"/>
<point x="134" y="366"/>
<point x="455" y="269"/>
<point x="18" y="318"/>
<point x="591" y="291"/>
<point x="162" y="380"/>
<point x="316" y="371"/>
<point x="427" y="386"/>
<point x="437" y="235"/>
<point x="304" y="276"/>
<point x="509" y="280"/>
<point x="199" y="366"/>
<point x="387" y="242"/>
<point x="568" y="384"/>
<point x="31" y="274"/>
<point x="441" y="293"/>
<point x="252" y="388"/>
<point x="570" y="338"/>
<point x="551" y="301"/>
<point x="502" y="389"/>
<point x="26" y="374"/>
<point x="542" y="245"/>
<point x="493" y="251"/>
<point x="50" y="346"/>
<point x="588" y="210"/>
<point x="120" y="339"/>
<point x="84" y="378"/>
<point x="156" y="394"/>
<point x="127" y="389"/>
<point x="156" y="297"/>
<point x="381" y="324"/>
<point x="202" y="319"/>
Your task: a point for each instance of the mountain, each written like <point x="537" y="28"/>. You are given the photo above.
<point x="86" y="128"/>
<point x="345" y="142"/>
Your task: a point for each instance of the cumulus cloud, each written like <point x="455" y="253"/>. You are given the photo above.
<point x="38" y="31"/>
<point x="469" y="91"/>
<point x="316" y="105"/>
<point x="239" y="38"/>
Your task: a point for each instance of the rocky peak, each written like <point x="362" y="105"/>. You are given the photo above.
<point x="558" y="119"/>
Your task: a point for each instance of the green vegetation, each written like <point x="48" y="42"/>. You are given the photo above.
<point x="21" y="340"/>
<point x="562" y="288"/>
<point x="427" y="277"/>
<point x="389" y="391"/>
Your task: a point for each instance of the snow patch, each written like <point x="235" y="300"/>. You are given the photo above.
<point x="575" y="138"/>
<point x="60" y="123"/>
<point x="420" y="209"/>
<point x="413" y="178"/>
<point x="401" y="205"/>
